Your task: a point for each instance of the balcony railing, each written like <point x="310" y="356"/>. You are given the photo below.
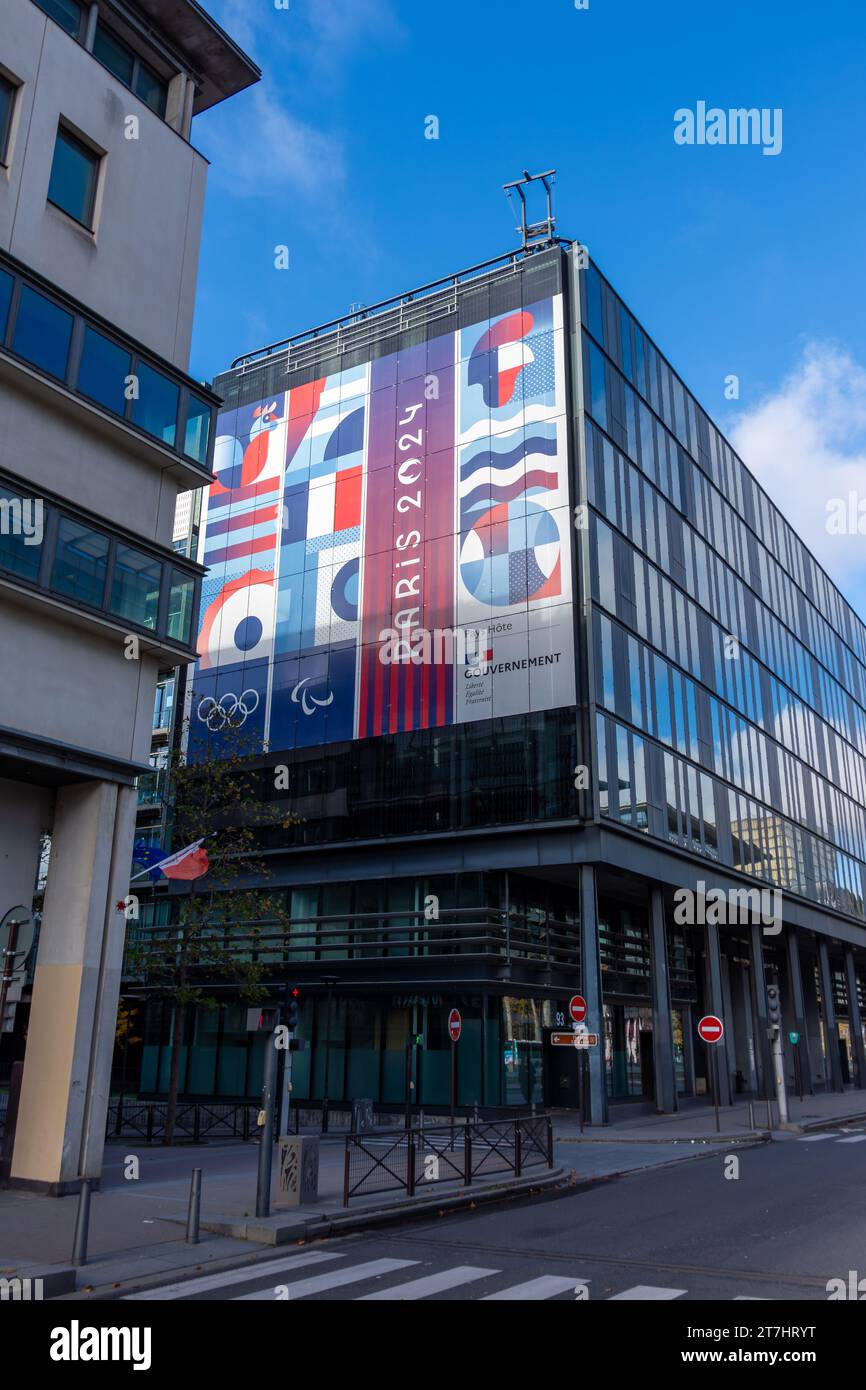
<point x="366" y="937"/>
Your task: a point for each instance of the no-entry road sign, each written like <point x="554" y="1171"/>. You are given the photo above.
<point x="711" y="1029"/>
<point x="455" y="1025"/>
<point x="577" y="1008"/>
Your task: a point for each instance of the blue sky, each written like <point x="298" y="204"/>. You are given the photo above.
<point x="736" y="262"/>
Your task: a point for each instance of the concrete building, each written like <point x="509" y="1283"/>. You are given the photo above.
<point x="101" y="199"/>
<point x="659" y="707"/>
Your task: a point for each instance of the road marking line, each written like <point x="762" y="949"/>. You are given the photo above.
<point x="856" y="1139"/>
<point x="320" y="1283"/>
<point x="650" y="1293"/>
<point x="431" y="1284"/>
<point x="749" y="1298"/>
<point x="232" y="1277"/>
<point x="546" y="1286"/>
<point x="814" y="1138"/>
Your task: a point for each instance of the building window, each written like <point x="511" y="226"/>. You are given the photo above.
<point x="42" y="332"/>
<point x="113" y="55"/>
<point x="6" y="283"/>
<point x="197" y="435"/>
<point x="19" y="552"/>
<point x="7" y="106"/>
<point x="80" y="563"/>
<point x="104" y="370"/>
<point x="135" y="586"/>
<point x="67" y="13"/>
<point x="151" y="89"/>
<point x="155" y="409"/>
<point x="129" y="70"/>
<point x="180" y="606"/>
<point x="74" y="171"/>
<point x="163" y="706"/>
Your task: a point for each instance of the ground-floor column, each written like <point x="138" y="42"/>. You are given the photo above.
<point x="798" y="1004"/>
<point x="663" y="1035"/>
<point x="831" y="1032"/>
<point x="716" y="996"/>
<point x="590" y="961"/>
<point x="854" y="1020"/>
<point x="763" y="1058"/>
<point x="67" y="1066"/>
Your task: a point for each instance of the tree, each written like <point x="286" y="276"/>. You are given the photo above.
<point x="220" y="918"/>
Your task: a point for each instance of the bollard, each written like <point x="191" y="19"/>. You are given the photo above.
<point x="751" y="1115"/>
<point x="769" y="1114"/>
<point x="82" y="1222"/>
<point x="193" y="1215"/>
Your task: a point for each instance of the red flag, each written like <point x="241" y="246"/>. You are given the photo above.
<point x="188" y="865"/>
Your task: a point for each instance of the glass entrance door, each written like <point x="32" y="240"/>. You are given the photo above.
<point x="628" y="1051"/>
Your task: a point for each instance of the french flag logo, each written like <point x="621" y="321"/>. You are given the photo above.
<point x="498" y="358"/>
<point x="478" y="653"/>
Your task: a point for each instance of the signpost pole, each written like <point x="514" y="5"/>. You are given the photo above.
<point x="581" y="1084"/>
<point x="711" y="1030"/>
<point x="455" y="1027"/>
<point x="453" y="1086"/>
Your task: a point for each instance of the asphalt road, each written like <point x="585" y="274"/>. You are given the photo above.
<point x="793" y="1219"/>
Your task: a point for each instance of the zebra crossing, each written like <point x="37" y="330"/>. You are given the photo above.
<point x="322" y="1273"/>
<point x="824" y="1135"/>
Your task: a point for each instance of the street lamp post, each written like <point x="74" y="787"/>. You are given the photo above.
<point x="329" y="981"/>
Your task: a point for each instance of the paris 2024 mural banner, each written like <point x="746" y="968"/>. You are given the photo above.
<point x="388" y="547"/>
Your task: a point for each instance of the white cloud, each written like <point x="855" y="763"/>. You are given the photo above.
<point x="265" y="149"/>
<point x="806" y="444"/>
<point x="259" y="144"/>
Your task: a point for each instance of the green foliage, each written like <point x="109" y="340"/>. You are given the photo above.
<point x="220" y="920"/>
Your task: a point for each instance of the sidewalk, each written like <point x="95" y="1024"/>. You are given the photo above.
<point x="137" y="1225"/>
<point x="695" y="1121"/>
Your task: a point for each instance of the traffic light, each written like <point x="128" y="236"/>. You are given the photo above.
<point x="774" y="1006"/>
<point x="292" y="1009"/>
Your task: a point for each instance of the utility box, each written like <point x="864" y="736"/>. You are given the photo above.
<point x="298" y="1178"/>
<point x="362" y="1116"/>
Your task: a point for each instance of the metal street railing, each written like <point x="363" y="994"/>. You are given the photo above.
<point x="413" y="1159"/>
<point x="195" y="1120"/>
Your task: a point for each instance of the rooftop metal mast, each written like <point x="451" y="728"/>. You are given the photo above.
<point x="542" y="231"/>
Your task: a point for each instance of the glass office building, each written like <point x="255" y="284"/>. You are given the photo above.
<point x="562" y="702"/>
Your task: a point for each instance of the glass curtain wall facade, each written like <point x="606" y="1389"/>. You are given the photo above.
<point x="730" y="673"/>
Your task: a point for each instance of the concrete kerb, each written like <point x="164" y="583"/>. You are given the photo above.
<point x="834" y="1123"/>
<point x="747" y="1136"/>
<point x="283" y="1227"/>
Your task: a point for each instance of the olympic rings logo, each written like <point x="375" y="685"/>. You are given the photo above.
<point x="218" y="714"/>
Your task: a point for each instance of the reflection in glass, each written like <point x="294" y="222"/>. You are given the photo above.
<point x="155" y="410"/>
<point x="197" y="435"/>
<point x="42" y="333"/>
<point x="103" y="371"/>
<point x="135" y="586"/>
<point x="80" y="563"/>
<point x="180" y="606"/>
<point x="72" y="185"/>
<point x="20" y="551"/>
<point x="6" y="283"/>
